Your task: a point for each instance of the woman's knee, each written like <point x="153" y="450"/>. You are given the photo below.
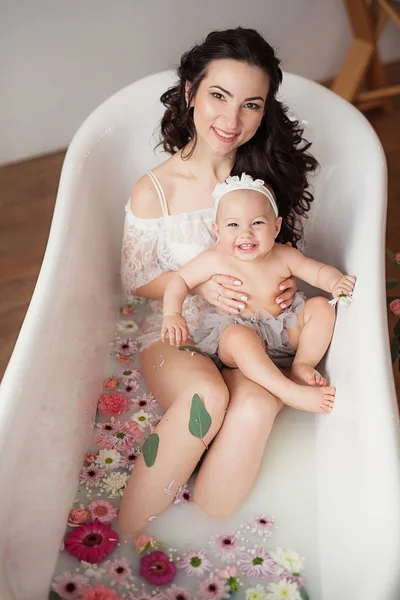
<point x="214" y="395"/>
<point x="256" y="410"/>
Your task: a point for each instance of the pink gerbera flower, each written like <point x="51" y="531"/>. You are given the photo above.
<point x="224" y="546"/>
<point x="131" y="387"/>
<point x="183" y="495"/>
<point x="122" y="438"/>
<point x="264" y="525"/>
<point x="130" y="374"/>
<point x="260" y="564"/>
<point x="176" y="593"/>
<point x="195" y="563"/>
<point x="103" y="510"/>
<point x="69" y="586"/>
<point x="100" y="592"/>
<point x="91" y="475"/>
<point x="157" y="568"/>
<point x="213" y="589"/>
<point x="125" y="347"/>
<point x="145" y="401"/>
<point x="119" y="570"/>
<point x="91" y="542"/>
<point x="129" y="458"/>
<point x="113" y="404"/>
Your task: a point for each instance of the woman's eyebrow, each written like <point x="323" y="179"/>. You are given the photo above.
<point x="231" y="95"/>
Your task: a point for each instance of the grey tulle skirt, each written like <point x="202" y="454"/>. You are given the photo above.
<point x="272" y="330"/>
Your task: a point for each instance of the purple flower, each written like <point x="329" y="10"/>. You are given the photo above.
<point x="183" y="495"/>
<point x="264" y="525"/>
<point x="156" y="568"/>
<point x="260" y="564"/>
<point x="224" y="546"/>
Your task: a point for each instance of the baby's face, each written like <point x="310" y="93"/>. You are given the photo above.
<point x="246" y="225"/>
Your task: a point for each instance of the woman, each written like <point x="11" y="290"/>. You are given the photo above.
<point x="222" y="118"/>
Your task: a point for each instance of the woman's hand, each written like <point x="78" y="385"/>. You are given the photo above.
<point x="225" y="299"/>
<point x="289" y="289"/>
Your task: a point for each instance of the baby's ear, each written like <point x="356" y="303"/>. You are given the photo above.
<point x="278" y="226"/>
<point x="216" y="229"/>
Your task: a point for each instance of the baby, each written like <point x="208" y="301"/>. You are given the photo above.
<point x="261" y="338"/>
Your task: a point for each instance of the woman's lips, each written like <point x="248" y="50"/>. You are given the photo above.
<point x="224" y="136"/>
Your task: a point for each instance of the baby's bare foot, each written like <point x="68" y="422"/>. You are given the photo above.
<point x="306" y="375"/>
<point x="311" y="398"/>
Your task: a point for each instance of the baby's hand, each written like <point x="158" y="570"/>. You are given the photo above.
<point x="176" y="327"/>
<point x="344" y="285"/>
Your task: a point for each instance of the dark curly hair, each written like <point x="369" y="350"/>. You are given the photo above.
<point x="277" y="153"/>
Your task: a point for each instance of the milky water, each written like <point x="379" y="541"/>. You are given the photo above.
<point x="285" y="489"/>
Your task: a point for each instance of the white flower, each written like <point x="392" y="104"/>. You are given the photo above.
<point x="290" y="560"/>
<point x="127" y="326"/>
<point x="115" y="483"/>
<point x="283" y="590"/>
<point x="108" y="459"/>
<point x="256" y="593"/>
<point x="143" y="419"/>
<point x="93" y="570"/>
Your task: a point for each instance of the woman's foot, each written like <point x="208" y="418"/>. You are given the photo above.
<point x="313" y="398"/>
<point x="306" y="375"/>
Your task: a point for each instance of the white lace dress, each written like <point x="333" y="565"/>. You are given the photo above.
<point x="154" y="246"/>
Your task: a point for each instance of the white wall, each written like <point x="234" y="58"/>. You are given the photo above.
<point x="61" y="58"/>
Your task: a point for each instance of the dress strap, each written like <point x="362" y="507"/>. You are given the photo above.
<point x="160" y="192"/>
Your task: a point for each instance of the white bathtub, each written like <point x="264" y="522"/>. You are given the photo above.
<point x="55" y="373"/>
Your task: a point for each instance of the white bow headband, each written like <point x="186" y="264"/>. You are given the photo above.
<point x="245" y="182"/>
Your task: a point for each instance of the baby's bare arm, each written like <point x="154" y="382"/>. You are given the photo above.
<point x="194" y="273"/>
<point x="311" y="271"/>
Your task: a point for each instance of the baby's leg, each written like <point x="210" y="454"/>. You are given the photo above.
<point x="311" y="340"/>
<point x="241" y="347"/>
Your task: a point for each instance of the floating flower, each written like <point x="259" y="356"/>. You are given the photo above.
<point x="282" y="590"/>
<point x="111" y="405"/>
<point x="127" y="327"/>
<point x="111" y="383"/>
<point x="213" y="588"/>
<point x="264" y="525"/>
<point x="258" y="563"/>
<point x="157" y="568"/>
<point x="230" y="575"/>
<point x="143" y="419"/>
<point x="77" y="516"/>
<point x="119" y="570"/>
<point x="91" y="542"/>
<point x="108" y="459"/>
<point x="176" y="593"/>
<point x="115" y="483"/>
<point x="130" y="374"/>
<point x="89" y="458"/>
<point x="69" y="586"/>
<point x="122" y="437"/>
<point x="195" y="563"/>
<point x="395" y="307"/>
<point x="144" y="542"/>
<point x="397" y="258"/>
<point x="288" y="560"/>
<point x="183" y="495"/>
<point x="91" y="475"/>
<point x="144" y="401"/>
<point x="131" y="387"/>
<point x="100" y="592"/>
<point x="93" y="570"/>
<point x="125" y="347"/>
<point x="103" y="510"/>
<point x="129" y="458"/>
<point x="256" y="593"/>
<point x="127" y="310"/>
<point x="143" y="594"/>
<point x="224" y="546"/>
<point x="122" y="358"/>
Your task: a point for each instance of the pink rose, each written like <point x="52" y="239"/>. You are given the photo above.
<point x="90" y="458"/>
<point x="397" y="258"/>
<point x="140" y="542"/>
<point x="395" y="306"/>
<point x="78" y="516"/>
<point x="127" y="310"/>
<point x="111" y="383"/>
<point x="112" y="404"/>
<point x="100" y="592"/>
<point x="228" y="572"/>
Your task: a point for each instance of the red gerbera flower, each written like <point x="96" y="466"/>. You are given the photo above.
<point x="157" y="569"/>
<point x="91" y="542"/>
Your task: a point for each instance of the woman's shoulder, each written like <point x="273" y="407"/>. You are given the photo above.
<point x="144" y="201"/>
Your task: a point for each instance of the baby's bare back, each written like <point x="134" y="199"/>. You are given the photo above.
<point x="260" y="279"/>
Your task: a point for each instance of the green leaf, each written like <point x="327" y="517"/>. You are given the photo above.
<point x="304" y="594"/>
<point x="395" y="349"/>
<point x="149" y="449"/>
<point x="191" y="349"/>
<point x="396" y="329"/>
<point x="392" y="282"/>
<point x="200" y="420"/>
<point x="54" y="596"/>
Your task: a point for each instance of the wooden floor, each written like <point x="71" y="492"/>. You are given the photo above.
<point x="27" y="195"/>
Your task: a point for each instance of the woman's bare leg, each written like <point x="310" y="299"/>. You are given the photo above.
<point x="256" y="365"/>
<point x="174" y="384"/>
<point x="230" y="466"/>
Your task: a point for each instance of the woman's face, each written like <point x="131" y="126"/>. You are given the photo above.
<point x="229" y="104"/>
